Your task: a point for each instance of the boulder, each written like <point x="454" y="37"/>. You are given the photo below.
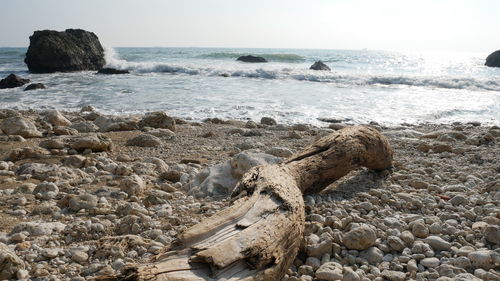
<point x="493" y="60"/>
<point x="158" y="119"/>
<point x="19" y="126"/>
<point x="251" y="58"/>
<point x="12" y="81"/>
<point x="115" y="123"/>
<point x="108" y="70"/>
<point x="319" y="65"/>
<point x="35" y="86"/>
<point x="10" y="263"/>
<point x="360" y="238"/>
<point x="95" y="142"/>
<point x="144" y="140"/>
<point x="268" y="121"/>
<point x="69" y="50"/>
<point x="55" y="118"/>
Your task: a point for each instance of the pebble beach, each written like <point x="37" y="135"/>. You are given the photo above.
<point x="85" y="194"/>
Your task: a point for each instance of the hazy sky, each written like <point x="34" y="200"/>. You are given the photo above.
<point x="454" y="25"/>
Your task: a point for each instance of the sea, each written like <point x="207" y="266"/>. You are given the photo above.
<point x="388" y="87"/>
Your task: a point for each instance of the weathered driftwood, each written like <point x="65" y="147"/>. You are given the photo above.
<point x="258" y="236"/>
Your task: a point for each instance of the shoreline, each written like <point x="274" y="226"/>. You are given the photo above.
<point x="68" y="197"/>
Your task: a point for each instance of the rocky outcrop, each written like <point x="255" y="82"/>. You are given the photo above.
<point x="319" y="65"/>
<point x="19" y="126"/>
<point x="493" y="60"/>
<point x="158" y="119"/>
<point x="112" y="71"/>
<point x="10" y="263"/>
<point x="35" y="86"/>
<point x="69" y="50"/>
<point x="251" y="58"/>
<point x="12" y="81"/>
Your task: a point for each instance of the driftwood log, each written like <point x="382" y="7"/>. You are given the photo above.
<point x="258" y="236"/>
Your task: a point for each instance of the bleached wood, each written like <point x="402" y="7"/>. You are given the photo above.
<point x="258" y="236"/>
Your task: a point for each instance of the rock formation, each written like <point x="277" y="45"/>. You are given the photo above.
<point x="112" y="71"/>
<point x="319" y="65"/>
<point x="493" y="60"/>
<point x="251" y="58"/>
<point x="12" y="81"/>
<point x="69" y="50"/>
<point x="35" y="86"/>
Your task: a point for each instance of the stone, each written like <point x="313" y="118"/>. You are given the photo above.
<point x="55" y="118"/>
<point x="144" y="140"/>
<point x="53" y="143"/>
<point x="35" y="86"/>
<point x="492" y="234"/>
<point x="438" y="243"/>
<point x="12" y="81"/>
<point x="79" y="256"/>
<point x="268" y="121"/>
<point x="280" y="152"/>
<point x="350" y="275"/>
<point x="392" y="275"/>
<point x="250" y="58"/>
<point x="319" y="65"/>
<point x="485" y="259"/>
<point x="46" y="190"/>
<point x="360" y="238"/>
<point x="133" y="185"/>
<point x="318" y="250"/>
<point x="94" y="142"/>
<point x="27" y="153"/>
<point x="162" y="133"/>
<point x="115" y="123"/>
<point x="84" y="201"/>
<point x="466" y="277"/>
<point x="158" y="119"/>
<point x="10" y="263"/>
<point x="430" y="262"/>
<point x="330" y="271"/>
<point x="493" y="59"/>
<point x="19" y="126"/>
<point x="441" y="147"/>
<point x="85" y="127"/>
<point x="75" y="161"/>
<point x="396" y="243"/>
<point x="39" y="229"/>
<point x="420" y="230"/>
<point x="69" y="50"/>
<point x="108" y="70"/>
<point x="373" y="255"/>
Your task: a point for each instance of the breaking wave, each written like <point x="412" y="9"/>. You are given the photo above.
<point x="342" y="80"/>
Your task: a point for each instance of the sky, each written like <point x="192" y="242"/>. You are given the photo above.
<point x="433" y="25"/>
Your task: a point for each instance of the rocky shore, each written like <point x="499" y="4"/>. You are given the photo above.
<point x="83" y="194"/>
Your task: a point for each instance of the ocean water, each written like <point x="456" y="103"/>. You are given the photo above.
<point x="196" y="83"/>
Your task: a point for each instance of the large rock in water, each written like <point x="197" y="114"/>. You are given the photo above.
<point x="319" y="65"/>
<point x="251" y="58"/>
<point x="12" y="81"/>
<point x="69" y="50"/>
<point x="493" y="60"/>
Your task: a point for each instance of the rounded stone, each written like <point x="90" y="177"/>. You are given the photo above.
<point x="360" y="238"/>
